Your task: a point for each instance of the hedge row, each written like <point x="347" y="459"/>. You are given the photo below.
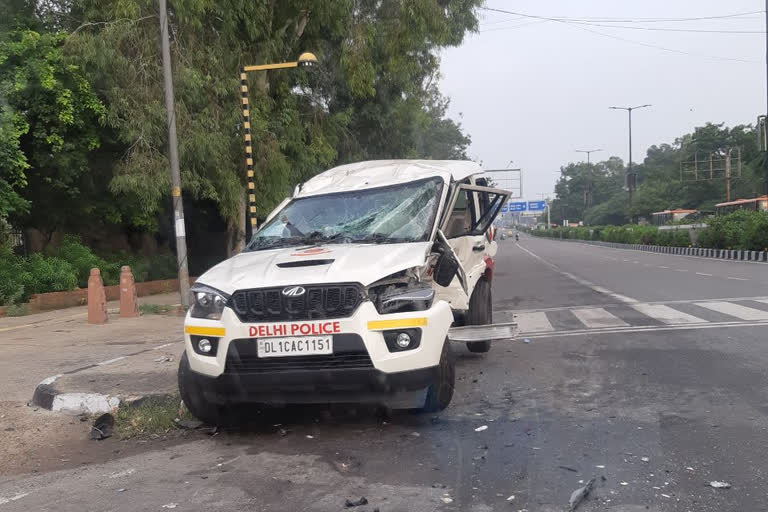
<point x="68" y="267"/>
<point x="741" y="230"/>
<point x="632" y="234"/>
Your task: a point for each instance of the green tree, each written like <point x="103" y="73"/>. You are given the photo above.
<point x="51" y="126"/>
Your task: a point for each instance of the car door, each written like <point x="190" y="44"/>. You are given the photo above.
<point x="466" y="225"/>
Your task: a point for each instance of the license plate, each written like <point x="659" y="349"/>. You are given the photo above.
<point x="294" y="346"/>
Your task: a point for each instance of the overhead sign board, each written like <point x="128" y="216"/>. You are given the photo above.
<point x="504" y="208"/>
<point x="537" y="206"/>
<point x="517" y="207"/>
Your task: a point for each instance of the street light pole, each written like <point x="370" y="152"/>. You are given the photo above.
<point x="173" y="157"/>
<point x="631" y="182"/>
<point x="305" y="60"/>
<point x="590" y="151"/>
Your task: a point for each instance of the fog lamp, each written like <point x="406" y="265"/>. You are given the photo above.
<point x="403" y="340"/>
<point x="204" y="345"/>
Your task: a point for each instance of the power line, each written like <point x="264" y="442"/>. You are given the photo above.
<point x="623" y="20"/>
<point x="618" y="38"/>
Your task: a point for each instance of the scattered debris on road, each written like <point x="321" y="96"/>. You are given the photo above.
<point x="447" y="500"/>
<point x="480" y="429"/>
<point x="170" y="505"/>
<point x="580" y="494"/>
<point x="102" y="427"/>
<point x="715" y="484"/>
<point x="511" y="498"/>
<point x="568" y="469"/>
<point x="164" y="359"/>
<point x="526" y="340"/>
<point x="645" y="459"/>
<point x="349" y="503"/>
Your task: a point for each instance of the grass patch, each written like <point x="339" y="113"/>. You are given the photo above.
<point x="151" y="417"/>
<point x="156" y="309"/>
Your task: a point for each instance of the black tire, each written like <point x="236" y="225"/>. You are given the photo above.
<point x="192" y="394"/>
<point x="480" y="313"/>
<point x="440" y="392"/>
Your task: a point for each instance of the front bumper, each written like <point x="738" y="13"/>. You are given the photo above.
<point x="385" y="377"/>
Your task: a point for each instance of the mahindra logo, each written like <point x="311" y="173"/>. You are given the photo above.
<point x="294" y="291"/>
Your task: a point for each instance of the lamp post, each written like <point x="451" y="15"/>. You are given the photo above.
<point x="306" y="59"/>
<point x="588" y="187"/>
<point x="630" y="179"/>
<point x="588" y="152"/>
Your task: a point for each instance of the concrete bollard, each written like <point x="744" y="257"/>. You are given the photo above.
<point x="129" y="305"/>
<point x="97" y="299"/>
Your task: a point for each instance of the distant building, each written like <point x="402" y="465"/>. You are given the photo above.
<point x="756" y="204"/>
<point x="661" y="218"/>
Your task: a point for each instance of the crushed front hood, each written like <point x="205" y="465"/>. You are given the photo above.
<point x="347" y="263"/>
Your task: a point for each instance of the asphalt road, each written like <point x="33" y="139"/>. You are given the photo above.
<point x="644" y="371"/>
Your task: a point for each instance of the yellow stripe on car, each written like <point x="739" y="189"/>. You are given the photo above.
<point x="400" y="323"/>
<point x="205" y="331"/>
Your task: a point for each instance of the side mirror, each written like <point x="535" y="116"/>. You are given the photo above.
<point x="446" y="267"/>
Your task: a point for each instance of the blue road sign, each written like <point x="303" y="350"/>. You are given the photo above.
<point x="537" y="206"/>
<point x="517" y="207"/>
<point x="504" y="208"/>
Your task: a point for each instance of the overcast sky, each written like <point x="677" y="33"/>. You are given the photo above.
<point x="534" y="91"/>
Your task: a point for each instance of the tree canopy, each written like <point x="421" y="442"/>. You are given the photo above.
<point x="661" y="185"/>
<point x="84" y="116"/>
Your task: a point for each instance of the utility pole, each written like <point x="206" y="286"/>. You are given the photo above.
<point x="173" y="157"/>
<point x="765" y="159"/>
<point x="630" y="178"/>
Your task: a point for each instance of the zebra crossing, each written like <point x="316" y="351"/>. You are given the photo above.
<point x="646" y="316"/>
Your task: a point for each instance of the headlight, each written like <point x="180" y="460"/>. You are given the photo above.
<point x="207" y="302"/>
<point x="400" y="293"/>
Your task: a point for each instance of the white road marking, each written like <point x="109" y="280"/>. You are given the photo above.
<point x="666" y="314"/>
<point x="162" y="346"/>
<point x="681" y="270"/>
<point x="735" y="310"/>
<point x="738" y="279"/>
<point x="17" y="497"/>
<point x="579" y="280"/>
<point x="533" y="322"/>
<point x="662" y="266"/>
<point x="703" y="274"/>
<point x="764" y="301"/>
<point x="110" y="361"/>
<point x="646" y="328"/>
<point x="598" y="317"/>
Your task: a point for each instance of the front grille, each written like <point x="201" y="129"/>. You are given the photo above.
<point x="317" y="303"/>
<point x="349" y="353"/>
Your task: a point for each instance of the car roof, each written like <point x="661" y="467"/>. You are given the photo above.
<point x="380" y="173"/>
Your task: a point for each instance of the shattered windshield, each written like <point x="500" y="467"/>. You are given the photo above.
<point x="392" y="214"/>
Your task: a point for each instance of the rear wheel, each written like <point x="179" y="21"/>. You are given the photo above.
<point x="192" y="393"/>
<point x="480" y="313"/>
<point x="440" y="392"/>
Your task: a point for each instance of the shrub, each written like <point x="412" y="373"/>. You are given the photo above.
<point x="83" y="260"/>
<point x="22" y="277"/>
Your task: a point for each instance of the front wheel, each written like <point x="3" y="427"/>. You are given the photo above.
<point x="440" y="392"/>
<point x="480" y="313"/>
<point x="192" y="394"/>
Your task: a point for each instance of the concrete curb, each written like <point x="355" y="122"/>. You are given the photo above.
<point x="47" y="396"/>
<point x="724" y="254"/>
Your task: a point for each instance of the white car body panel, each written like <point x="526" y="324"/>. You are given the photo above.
<point x="357" y="263"/>
<point x="438" y="320"/>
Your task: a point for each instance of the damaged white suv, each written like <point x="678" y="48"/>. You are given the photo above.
<point x="348" y="291"/>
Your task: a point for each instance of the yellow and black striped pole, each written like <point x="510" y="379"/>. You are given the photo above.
<point x="305" y="59"/>
<point x="248" y="150"/>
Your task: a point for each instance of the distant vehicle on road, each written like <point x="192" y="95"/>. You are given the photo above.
<point x="348" y="291"/>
